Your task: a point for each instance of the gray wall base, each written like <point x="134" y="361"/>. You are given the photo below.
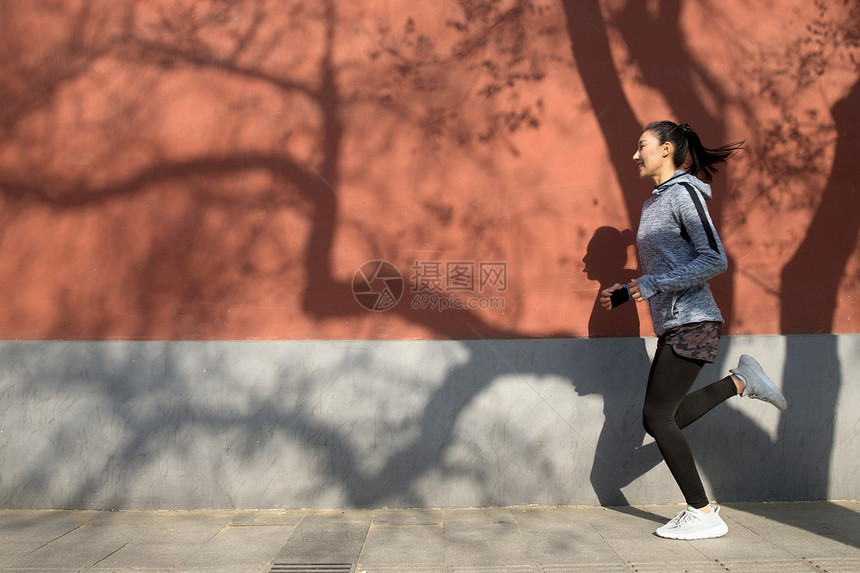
<point x="351" y="424"/>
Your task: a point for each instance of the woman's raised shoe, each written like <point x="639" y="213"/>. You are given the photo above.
<point x="756" y="383"/>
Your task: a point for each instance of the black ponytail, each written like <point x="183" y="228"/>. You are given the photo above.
<point x="686" y="141"/>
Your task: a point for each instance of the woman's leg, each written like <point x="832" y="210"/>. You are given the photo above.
<point x="671" y="378"/>
<point x="697" y="404"/>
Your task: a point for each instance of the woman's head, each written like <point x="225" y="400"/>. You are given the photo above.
<point x="685" y="142"/>
<point x="669" y="132"/>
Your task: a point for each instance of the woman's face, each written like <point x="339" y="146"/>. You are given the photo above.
<point x="651" y="156"/>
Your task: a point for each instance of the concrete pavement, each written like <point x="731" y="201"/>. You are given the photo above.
<point x="781" y="537"/>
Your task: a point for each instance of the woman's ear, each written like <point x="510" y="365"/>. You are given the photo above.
<point x="668" y="149"/>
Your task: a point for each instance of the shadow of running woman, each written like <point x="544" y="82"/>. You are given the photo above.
<point x="619" y="456"/>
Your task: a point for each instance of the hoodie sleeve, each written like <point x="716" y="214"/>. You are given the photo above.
<point x="706" y="262"/>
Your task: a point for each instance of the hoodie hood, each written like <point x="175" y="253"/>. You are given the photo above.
<point x="681" y="175"/>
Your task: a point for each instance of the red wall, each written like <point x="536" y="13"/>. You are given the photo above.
<point x="196" y="170"/>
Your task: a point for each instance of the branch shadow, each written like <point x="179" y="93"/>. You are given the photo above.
<point x="810" y="294"/>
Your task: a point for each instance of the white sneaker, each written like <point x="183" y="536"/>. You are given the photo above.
<point x="695" y="524"/>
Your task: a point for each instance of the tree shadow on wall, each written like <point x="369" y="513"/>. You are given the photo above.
<point x="669" y="68"/>
<point x="197" y="290"/>
<point x="810" y="295"/>
<point x="495" y="354"/>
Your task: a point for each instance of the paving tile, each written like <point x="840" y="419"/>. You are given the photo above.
<point x="326" y="537"/>
<point x="795" y="529"/>
<point x="334" y="527"/>
<point x="83" y="547"/>
<point x="831" y="520"/>
<point x="559" y="537"/>
<point x="484" y="538"/>
<point x="405" y="545"/>
<point x="146" y="554"/>
<point x="27" y="530"/>
<point x="238" y="547"/>
<point x="167" y="543"/>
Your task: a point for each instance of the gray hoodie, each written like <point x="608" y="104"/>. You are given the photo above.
<point x="678" y="256"/>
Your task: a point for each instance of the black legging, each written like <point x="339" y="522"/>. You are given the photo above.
<point x="668" y="408"/>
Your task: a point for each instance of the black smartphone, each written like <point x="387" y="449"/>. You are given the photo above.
<point x="620" y="296"/>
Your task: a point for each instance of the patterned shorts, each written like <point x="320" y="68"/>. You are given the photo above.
<point x="699" y="340"/>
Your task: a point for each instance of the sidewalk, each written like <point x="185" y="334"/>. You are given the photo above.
<point x="784" y="538"/>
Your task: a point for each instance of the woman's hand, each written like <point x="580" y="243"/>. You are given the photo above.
<point x="606" y="294"/>
<point x="634" y="290"/>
